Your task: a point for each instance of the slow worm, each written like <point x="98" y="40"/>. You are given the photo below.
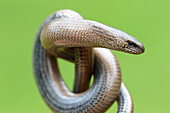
<point x="65" y="34"/>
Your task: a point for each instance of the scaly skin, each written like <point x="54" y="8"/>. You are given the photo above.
<point x="65" y="34"/>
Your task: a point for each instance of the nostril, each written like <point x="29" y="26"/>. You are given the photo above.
<point x="143" y="49"/>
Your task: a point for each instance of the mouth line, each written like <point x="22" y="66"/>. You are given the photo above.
<point x="134" y="51"/>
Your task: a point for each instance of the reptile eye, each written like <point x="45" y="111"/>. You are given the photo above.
<point x="131" y="44"/>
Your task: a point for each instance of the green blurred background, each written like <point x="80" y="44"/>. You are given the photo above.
<point x="147" y="76"/>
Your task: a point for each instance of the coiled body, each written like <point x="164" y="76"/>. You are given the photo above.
<point x="65" y="34"/>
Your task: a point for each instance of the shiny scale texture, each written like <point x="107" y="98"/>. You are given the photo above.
<point x="65" y="34"/>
